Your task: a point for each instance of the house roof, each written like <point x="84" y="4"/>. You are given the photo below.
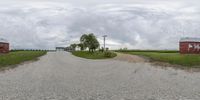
<point x="189" y="39"/>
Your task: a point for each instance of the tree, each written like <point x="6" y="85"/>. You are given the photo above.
<point x="90" y="41"/>
<point x="81" y="45"/>
<point x="73" y="46"/>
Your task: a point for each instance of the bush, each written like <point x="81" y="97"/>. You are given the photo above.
<point x="108" y="54"/>
<point x="94" y="55"/>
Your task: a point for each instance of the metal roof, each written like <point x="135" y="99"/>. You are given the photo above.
<point x="2" y="40"/>
<point x="189" y="39"/>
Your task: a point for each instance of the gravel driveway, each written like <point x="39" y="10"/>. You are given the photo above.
<point x="61" y="76"/>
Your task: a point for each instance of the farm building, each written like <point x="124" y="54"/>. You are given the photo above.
<point x="60" y="48"/>
<point x="4" y="47"/>
<point x="189" y="46"/>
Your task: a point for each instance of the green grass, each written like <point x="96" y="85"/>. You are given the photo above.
<point x="156" y="51"/>
<point x="18" y="57"/>
<point x="95" y="55"/>
<point x="171" y="57"/>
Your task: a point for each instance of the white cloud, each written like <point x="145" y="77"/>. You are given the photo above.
<point x="134" y="24"/>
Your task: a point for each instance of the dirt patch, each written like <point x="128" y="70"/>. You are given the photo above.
<point x="130" y="58"/>
<point x="163" y="65"/>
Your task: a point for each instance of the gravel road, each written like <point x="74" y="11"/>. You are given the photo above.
<point x="61" y="76"/>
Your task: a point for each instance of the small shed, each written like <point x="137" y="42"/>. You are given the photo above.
<point x="4" y="47"/>
<point x="189" y="45"/>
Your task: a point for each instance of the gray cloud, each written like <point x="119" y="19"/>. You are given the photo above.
<point x="138" y="25"/>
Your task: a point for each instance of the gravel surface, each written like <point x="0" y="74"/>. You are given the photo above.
<point x="61" y="76"/>
<point x="130" y="58"/>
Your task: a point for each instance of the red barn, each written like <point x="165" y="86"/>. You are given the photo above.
<point x="190" y="46"/>
<point x="4" y="47"/>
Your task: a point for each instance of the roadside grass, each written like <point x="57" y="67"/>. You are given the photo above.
<point x="156" y="51"/>
<point x="18" y="57"/>
<point x="172" y="57"/>
<point x="95" y="55"/>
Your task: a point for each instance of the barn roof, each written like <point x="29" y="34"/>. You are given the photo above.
<point x="189" y="39"/>
<point x="3" y="40"/>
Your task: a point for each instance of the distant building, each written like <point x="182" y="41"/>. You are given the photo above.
<point x="189" y="45"/>
<point x="4" y="47"/>
<point x="60" y="48"/>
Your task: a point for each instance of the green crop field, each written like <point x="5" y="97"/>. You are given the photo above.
<point x="17" y="57"/>
<point x="172" y="57"/>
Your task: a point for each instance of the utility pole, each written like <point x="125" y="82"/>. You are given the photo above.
<point x="104" y="41"/>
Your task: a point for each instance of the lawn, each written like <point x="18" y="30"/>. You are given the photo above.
<point x="95" y="55"/>
<point x="172" y="57"/>
<point x="18" y="57"/>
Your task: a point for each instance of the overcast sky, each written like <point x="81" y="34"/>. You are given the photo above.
<point x="135" y="24"/>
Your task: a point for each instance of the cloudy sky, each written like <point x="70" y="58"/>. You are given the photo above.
<point x="136" y="24"/>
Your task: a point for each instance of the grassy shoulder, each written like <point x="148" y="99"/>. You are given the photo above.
<point x="95" y="55"/>
<point x="18" y="57"/>
<point x="172" y="57"/>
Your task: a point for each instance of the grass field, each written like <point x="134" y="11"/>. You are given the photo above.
<point x="95" y="55"/>
<point x="18" y="57"/>
<point x="172" y="57"/>
<point x="156" y="51"/>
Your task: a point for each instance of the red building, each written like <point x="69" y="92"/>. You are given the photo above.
<point x="190" y="46"/>
<point x="4" y="47"/>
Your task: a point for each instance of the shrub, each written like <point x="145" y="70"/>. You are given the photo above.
<point x="108" y="54"/>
